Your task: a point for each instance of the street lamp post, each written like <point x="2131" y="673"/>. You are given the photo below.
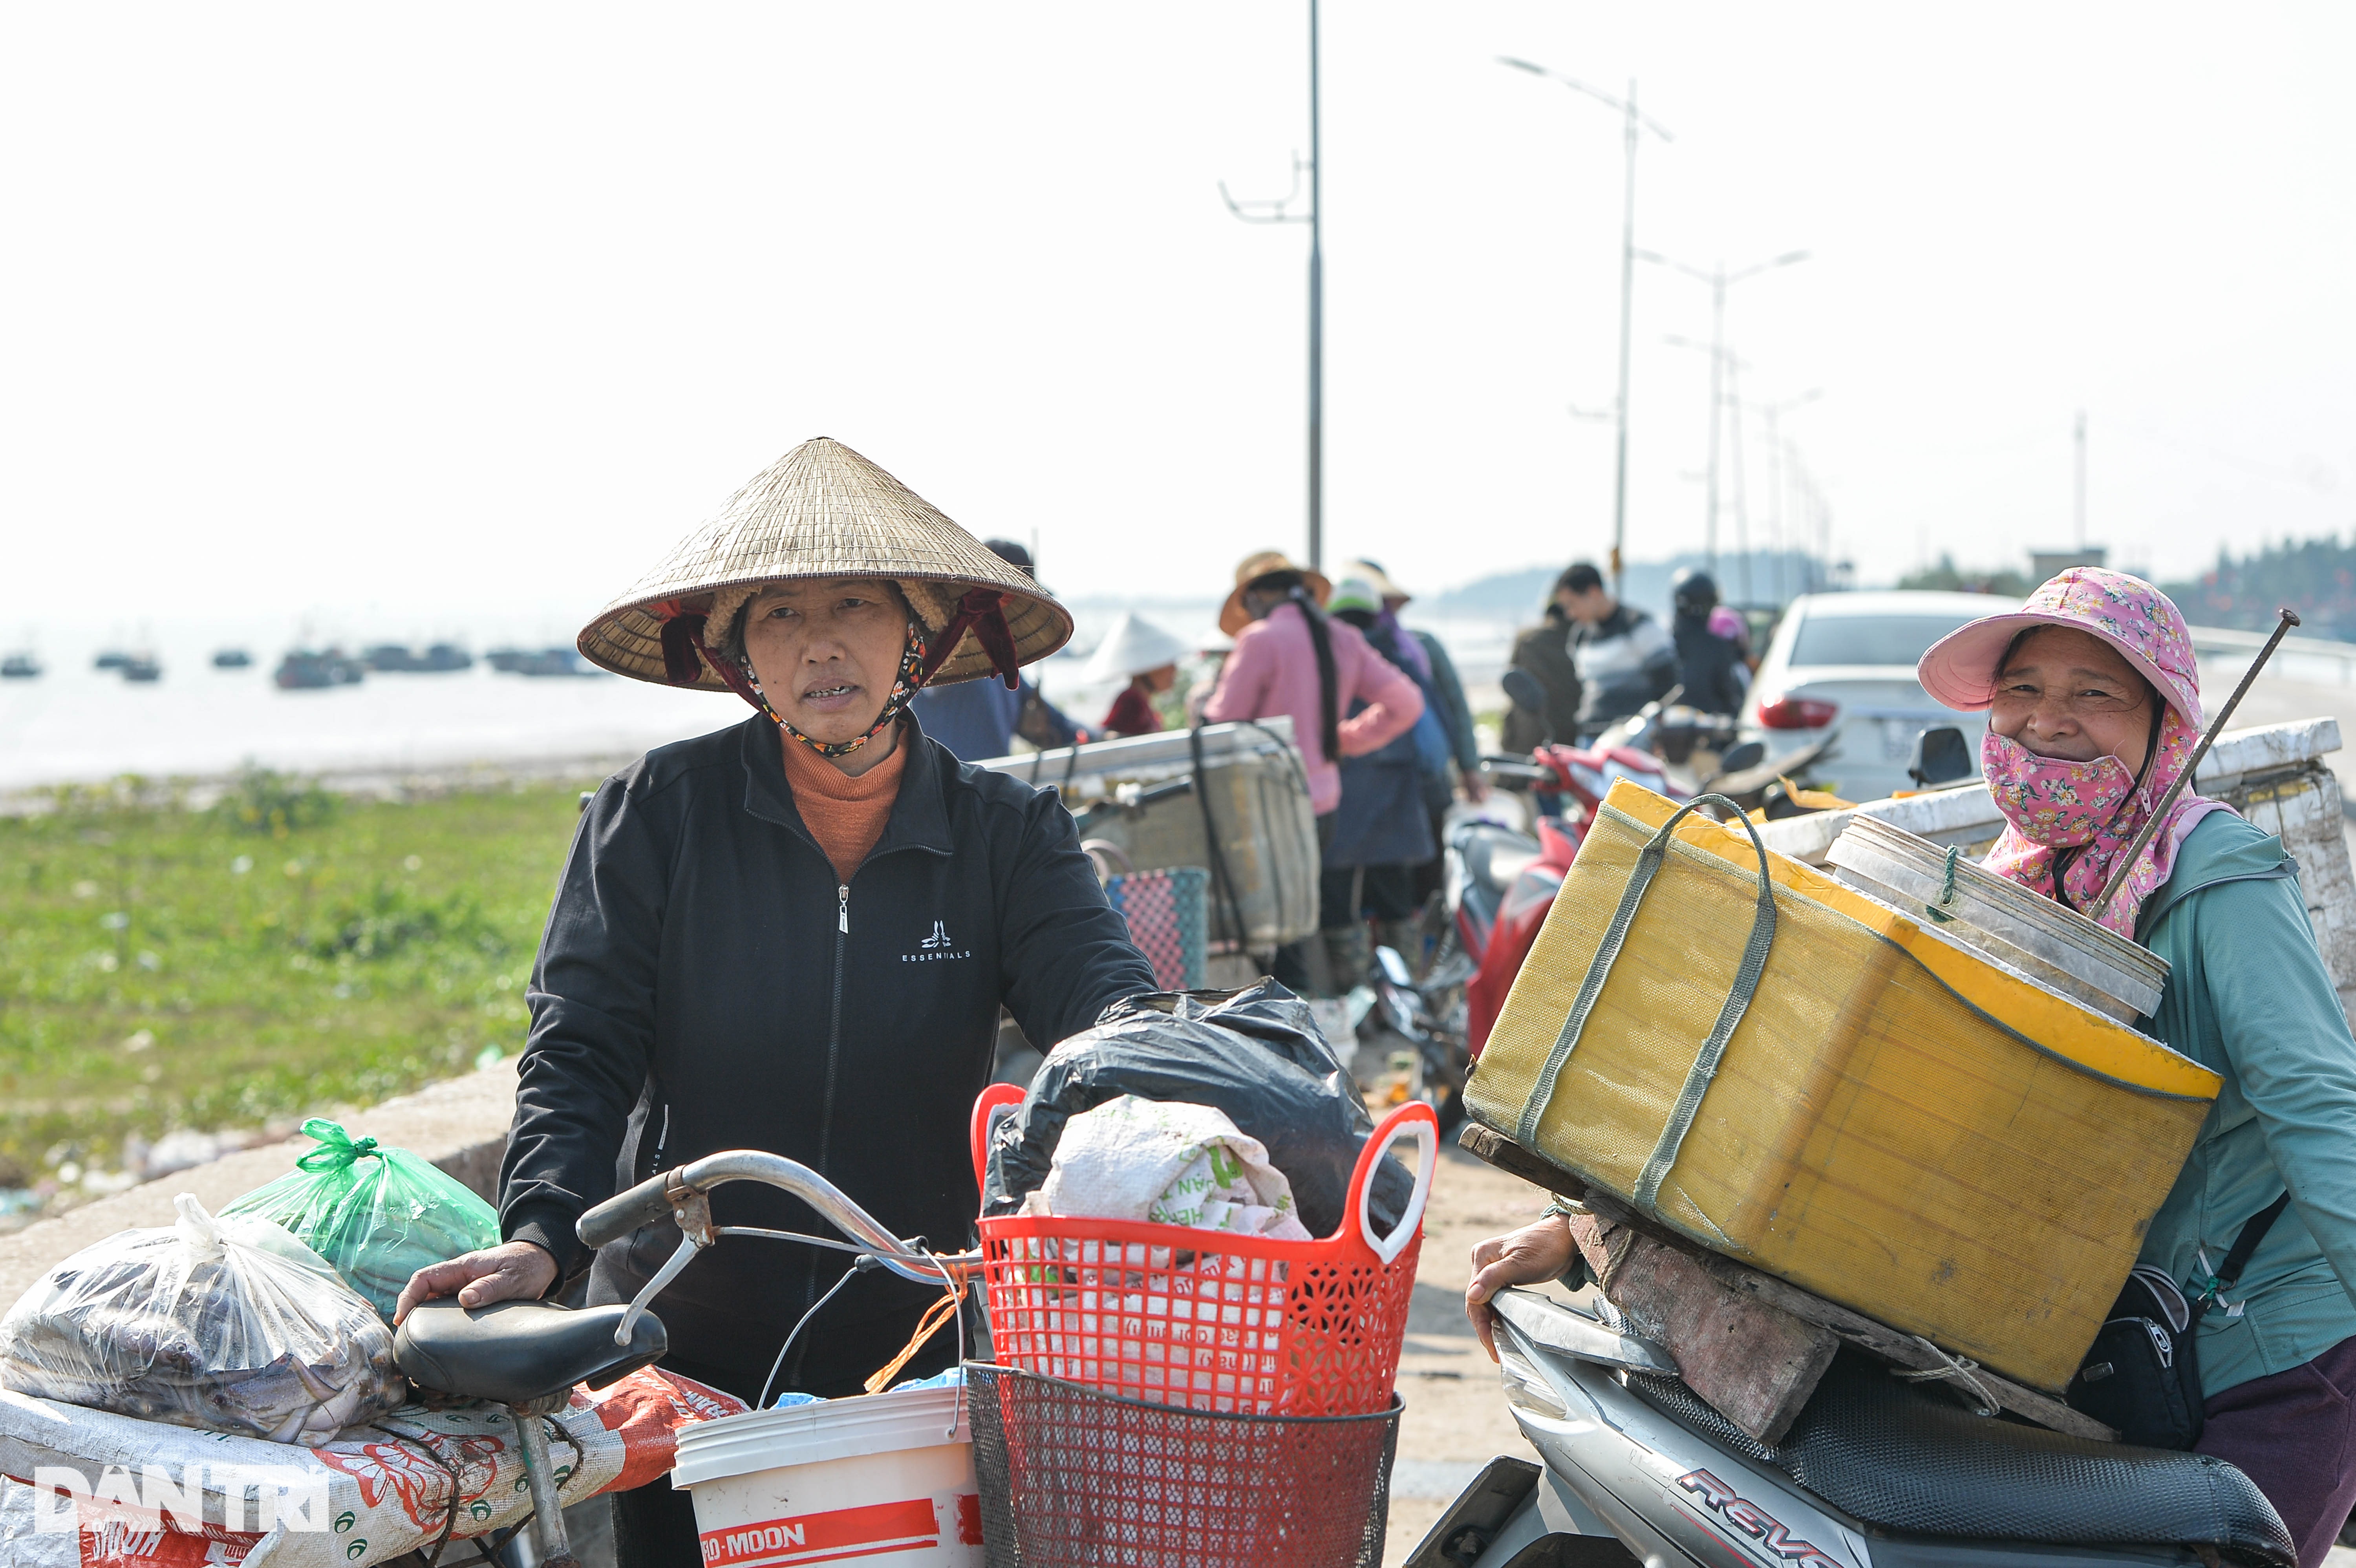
<point x="1719" y="280"/>
<point x="1280" y="211"/>
<point x="1635" y="124"/>
<point x="1773" y="414"/>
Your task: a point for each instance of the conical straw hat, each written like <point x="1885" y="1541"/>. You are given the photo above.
<point x="823" y="511"/>
<point x="1132" y="647"/>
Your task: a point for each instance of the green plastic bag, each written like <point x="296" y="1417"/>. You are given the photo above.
<point x="379" y="1215"/>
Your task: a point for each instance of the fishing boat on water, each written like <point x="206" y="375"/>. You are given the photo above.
<point x="309" y="669"/>
<point x="20" y="667"/>
<point x="143" y="668"/>
<point x="389" y="658"/>
<point x="553" y="663"/>
<point x="232" y="659"/>
<point x="110" y="659"/>
<point x="400" y="659"/>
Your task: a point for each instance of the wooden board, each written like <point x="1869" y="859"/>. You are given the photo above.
<point x="1755" y="1363"/>
<point x="1906" y="1350"/>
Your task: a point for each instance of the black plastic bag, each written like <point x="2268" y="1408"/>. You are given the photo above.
<point x="1256" y="1054"/>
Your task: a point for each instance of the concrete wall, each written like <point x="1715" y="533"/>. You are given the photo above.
<point x="460" y="1124"/>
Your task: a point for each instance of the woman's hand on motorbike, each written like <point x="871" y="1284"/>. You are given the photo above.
<point x="511" y="1271"/>
<point x="1476" y="788"/>
<point x="1526" y="1256"/>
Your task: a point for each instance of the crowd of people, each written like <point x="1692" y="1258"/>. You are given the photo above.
<point x="1377" y="710"/>
<point x="797" y="933"/>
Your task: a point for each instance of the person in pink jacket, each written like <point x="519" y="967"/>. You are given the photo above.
<point x="1290" y="658"/>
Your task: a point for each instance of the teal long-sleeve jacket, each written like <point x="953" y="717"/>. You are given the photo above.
<point x="2247" y="997"/>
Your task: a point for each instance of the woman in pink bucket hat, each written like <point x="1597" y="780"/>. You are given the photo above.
<point x="2094" y="704"/>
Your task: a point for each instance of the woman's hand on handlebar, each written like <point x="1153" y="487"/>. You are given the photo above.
<point x="509" y="1271"/>
<point x="1526" y="1256"/>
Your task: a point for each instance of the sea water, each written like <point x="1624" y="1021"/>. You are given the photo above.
<point x="75" y="724"/>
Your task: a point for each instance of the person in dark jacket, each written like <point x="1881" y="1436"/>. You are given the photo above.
<point x="1710" y="668"/>
<point x="978" y="719"/>
<point x="793" y="934"/>
<point x="1544" y="650"/>
<point x="1624" y="659"/>
<point x="1381" y="830"/>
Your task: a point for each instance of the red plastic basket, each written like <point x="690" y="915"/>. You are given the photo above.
<point x="1203" y="1319"/>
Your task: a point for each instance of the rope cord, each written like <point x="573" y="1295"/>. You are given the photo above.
<point x="457" y="1486"/>
<point x="1221" y="883"/>
<point x="1957" y="1369"/>
<point x="939" y="1312"/>
<point x="1939" y="912"/>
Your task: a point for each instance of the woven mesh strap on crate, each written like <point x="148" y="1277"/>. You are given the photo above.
<point x="1166" y="915"/>
<point x="1069" y="1477"/>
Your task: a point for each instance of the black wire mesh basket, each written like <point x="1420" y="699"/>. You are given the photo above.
<point x="1074" y="1479"/>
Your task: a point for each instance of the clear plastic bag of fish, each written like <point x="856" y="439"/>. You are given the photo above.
<point x="229" y="1325"/>
<point x="378" y="1214"/>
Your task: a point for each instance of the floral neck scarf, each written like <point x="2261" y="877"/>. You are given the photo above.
<point x="903" y="687"/>
<point x="2081" y="817"/>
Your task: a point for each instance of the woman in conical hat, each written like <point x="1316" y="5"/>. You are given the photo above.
<point x="1147" y="658"/>
<point x="794" y="934"/>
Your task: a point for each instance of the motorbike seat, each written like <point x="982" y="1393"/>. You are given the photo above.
<point x="514" y="1353"/>
<point x="1494" y="859"/>
<point x="1906" y="1458"/>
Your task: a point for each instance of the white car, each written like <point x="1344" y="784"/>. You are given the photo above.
<point x="1847" y="660"/>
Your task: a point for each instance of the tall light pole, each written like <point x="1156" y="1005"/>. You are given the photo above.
<point x="1719" y="280"/>
<point x="2078" y="508"/>
<point x="1635" y="124"/>
<point x="1773" y="414"/>
<point x="1280" y="211"/>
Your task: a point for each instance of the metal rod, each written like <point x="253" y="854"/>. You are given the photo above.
<point x="548" y="1532"/>
<point x="1316" y="314"/>
<point x="1627" y="303"/>
<point x="1717" y="413"/>
<point x="2160" y="812"/>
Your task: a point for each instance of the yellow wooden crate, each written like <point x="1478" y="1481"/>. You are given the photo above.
<point x="1892" y="1123"/>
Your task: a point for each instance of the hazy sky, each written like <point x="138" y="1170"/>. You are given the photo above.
<point x="429" y="308"/>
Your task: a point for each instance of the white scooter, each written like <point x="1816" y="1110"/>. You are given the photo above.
<point x="1874" y="1474"/>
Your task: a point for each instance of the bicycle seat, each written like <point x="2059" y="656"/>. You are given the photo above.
<point x="514" y="1353"/>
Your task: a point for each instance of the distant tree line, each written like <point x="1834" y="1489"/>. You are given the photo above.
<point x="1948" y="577"/>
<point x="2315" y="577"/>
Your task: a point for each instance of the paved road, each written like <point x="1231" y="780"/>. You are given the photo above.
<point x="1456" y="1420"/>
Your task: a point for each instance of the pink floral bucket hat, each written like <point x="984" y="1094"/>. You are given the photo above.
<point x="2128" y="612"/>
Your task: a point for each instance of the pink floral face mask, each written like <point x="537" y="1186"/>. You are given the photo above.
<point x="2081" y="817"/>
<point x="2053" y="801"/>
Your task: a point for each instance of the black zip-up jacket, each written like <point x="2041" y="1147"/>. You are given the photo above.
<point x="706" y="983"/>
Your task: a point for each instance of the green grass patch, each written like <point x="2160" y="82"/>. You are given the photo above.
<point x="284" y="952"/>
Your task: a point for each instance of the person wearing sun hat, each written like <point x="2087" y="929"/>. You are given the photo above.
<point x="793" y="934"/>
<point x="1343" y="698"/>
<point x="2094" y="702"/>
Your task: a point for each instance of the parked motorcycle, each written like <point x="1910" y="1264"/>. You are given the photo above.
<point x="1424" y="1052"/>
<point x="1876" y="1473"/>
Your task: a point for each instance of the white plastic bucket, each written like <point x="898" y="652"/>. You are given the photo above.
<point x="843" y="1480"/>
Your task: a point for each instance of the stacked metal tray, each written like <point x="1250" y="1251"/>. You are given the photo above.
<point x="2044" y="940"/>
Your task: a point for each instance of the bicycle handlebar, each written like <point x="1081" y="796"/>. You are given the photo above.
<point x="656" y="1196"/>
